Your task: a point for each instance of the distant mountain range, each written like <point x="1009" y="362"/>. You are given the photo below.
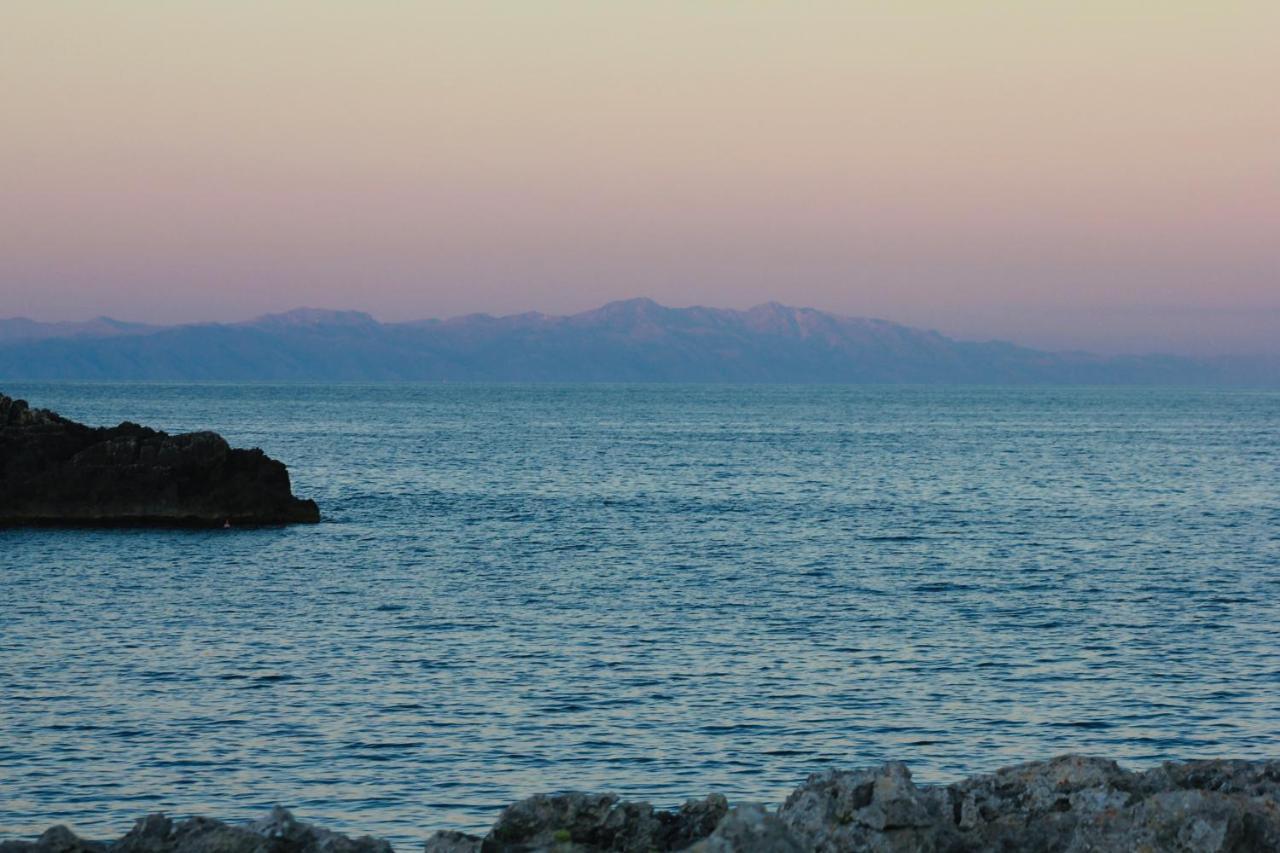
<point x="636" y="340"/>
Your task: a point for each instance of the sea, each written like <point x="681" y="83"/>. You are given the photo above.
<point x="656" y="590"/>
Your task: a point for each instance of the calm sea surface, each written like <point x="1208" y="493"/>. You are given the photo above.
<point x="661" y="591"/>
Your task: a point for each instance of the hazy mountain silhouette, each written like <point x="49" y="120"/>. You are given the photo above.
<point x="22" y="329"/>
<point x="632" y="340"/>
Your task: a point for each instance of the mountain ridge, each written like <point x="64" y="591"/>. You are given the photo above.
<point x="626" y="340"/>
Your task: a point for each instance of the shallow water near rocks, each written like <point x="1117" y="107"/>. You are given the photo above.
<point x="657" y="590"/>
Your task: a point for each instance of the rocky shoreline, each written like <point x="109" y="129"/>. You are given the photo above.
<point x="1070" y="804"/>
<point x="56" y="472"/>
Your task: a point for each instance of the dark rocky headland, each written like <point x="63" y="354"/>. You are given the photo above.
<point x="54" y="471"/>
<point x="1071" y="804"/>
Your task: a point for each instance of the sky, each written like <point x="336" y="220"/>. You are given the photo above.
<point x="1093" y="175"/>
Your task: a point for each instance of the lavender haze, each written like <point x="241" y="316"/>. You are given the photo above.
<point x="1093" y="175"/>
<point x="635" y="340"/>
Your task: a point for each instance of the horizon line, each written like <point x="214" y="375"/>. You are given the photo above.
<point x="302" y="310"/>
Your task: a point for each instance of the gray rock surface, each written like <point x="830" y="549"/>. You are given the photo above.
<point x="1070" y="804"/>
<point x="451" y="841"/>
<point x="578" y="821"/>
<point x="750" y="827"/>
<point x="869" y="810"/>
<point x="279" y="832"/>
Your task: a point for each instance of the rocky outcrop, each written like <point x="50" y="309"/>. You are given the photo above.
<point x="1070" y="804"/>
<point x="590" y="822"/>
<point x="54" y="471"/>
<point x="279" y="832"/>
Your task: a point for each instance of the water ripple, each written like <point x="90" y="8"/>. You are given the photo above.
<point x="661" y="591"/>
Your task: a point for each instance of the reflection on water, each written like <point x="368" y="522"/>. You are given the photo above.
<point x="661" y="591"/>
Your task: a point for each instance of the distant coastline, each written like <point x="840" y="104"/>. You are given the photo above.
<point x="635" y="340"/>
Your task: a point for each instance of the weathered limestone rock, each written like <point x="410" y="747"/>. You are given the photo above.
<point x="749" y="828"/>
<point x="57" y="472"/>
<point x="597" y="822"/>
<point x="451" y="841"/>
<point x="279" y="832"/>
<point x="55" y="839"/>
<point x="1070" y="804"/>
<point x="869" y="810"/>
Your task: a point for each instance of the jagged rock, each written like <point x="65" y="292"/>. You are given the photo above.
<point x="750" y="828"/>
<point x="601" y="822"/>
<point x="288" y="835"/>
<point x="279" y="832"/>
<point x="151" y="834"/>
<point x="695" y="820"/>
<point x="55" y="839"/>
<point x="1070" y="804"/>
<point x="449" y="841"/>
<point x="1027" y="805"/>
<point x="205" y="835"/>
<point x="543" y="820"/>
<point x="1185" y="821"/>
<point x="1249" y="778"/>
<point x="873" y="810"/>
<point x="54" y="471"/>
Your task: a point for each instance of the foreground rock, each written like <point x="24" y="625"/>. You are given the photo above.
<point x="279" y="832"/>
<point x="57" y="472"/>
<point x="1070" y="804"/>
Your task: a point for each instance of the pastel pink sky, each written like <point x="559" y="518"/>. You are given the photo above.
<point x="1101" y="175"/>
